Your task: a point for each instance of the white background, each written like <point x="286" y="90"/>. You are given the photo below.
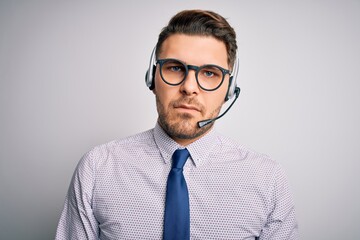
<point x="72" y="77"/>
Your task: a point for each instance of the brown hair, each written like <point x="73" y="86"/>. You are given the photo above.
<point x="204" y="23"/>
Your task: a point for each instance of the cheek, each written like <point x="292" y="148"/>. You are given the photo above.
<point x="162" y="91"/>
<point x="160" y="85"/>
<point x="218" y="99"/>
<point x="214" y="103"/>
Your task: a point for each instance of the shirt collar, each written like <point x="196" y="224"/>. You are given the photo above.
<point x="199" y="150"/>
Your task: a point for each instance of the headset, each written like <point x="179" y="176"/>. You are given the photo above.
<point x="233" y="89"/>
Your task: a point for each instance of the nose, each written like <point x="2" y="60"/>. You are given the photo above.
<point x="190" y="85"/>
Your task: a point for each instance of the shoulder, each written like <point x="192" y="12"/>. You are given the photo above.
<point x="232" y="146"/>
<point x="99" y="154"/>
<point x="142" y="139"/>
<point x="247" y="157"/>
<point x="260" y="167"/>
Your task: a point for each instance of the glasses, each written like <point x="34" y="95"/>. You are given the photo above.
<point x="209" y="77"/>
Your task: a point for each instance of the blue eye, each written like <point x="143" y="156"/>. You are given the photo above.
<point x="209" y="74"/>
<point x="175" y="68"/>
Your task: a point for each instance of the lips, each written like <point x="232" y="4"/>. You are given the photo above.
<point x="188" y="107"/>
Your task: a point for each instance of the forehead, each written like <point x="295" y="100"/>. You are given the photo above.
<point x="194" y="49"/>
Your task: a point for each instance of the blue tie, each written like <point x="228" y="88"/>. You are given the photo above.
<point x="177" y="213"/>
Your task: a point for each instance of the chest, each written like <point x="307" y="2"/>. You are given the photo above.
<point x="129" y="202"/>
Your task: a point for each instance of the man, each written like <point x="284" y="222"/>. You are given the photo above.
<point x="182" y="180"/>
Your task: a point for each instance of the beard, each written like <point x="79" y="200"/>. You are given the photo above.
<point x="183" y="125"/>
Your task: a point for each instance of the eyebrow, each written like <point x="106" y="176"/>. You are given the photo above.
<point x="226" y="68"/>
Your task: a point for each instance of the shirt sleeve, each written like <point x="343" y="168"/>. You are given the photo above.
<point x="77" y="220"/>
<point x="281" y="222"/>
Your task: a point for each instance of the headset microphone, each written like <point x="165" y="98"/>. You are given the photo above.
<point x="203" y="123"/>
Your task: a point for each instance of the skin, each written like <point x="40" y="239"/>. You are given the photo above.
<point x="181" y="107"/>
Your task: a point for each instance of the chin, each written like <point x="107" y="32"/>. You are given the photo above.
<point x="183" y="128"/>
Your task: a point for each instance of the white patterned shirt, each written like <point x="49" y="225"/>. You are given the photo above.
<point x="118" y="191"/>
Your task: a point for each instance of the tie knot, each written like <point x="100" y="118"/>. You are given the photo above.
<point x="179" y="158"/>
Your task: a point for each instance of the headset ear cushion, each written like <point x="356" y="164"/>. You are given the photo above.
<point x="152" y="80"/>
<point x="230" y="91"/>
<point x="150" y="73"/>
<point x="147" y="77"/>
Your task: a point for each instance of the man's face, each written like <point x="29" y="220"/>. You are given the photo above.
<point x="181" y="107"/>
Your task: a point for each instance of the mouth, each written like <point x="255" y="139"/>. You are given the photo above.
<point x="187" y="107"/>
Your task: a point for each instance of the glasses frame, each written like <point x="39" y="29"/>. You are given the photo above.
<point x="192" y="67"/>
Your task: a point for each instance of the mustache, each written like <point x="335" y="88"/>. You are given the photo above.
<point x="188" y="101"/>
